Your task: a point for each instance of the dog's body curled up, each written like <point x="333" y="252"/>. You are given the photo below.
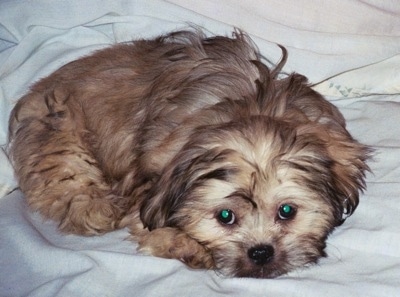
<point x="196" y="146"/>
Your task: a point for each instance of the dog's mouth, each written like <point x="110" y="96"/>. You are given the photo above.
<point x="269" y="270"/>
<point x="262" y="272"/>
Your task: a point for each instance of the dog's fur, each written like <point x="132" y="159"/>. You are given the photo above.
<point x="162" y="135"/>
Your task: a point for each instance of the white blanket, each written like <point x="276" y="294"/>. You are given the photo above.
<point x="349" y="49"/>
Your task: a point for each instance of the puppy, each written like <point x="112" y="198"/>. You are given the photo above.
<point x="195" y="145"/>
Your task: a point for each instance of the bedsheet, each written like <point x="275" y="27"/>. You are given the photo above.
<point x="349" y="50"/>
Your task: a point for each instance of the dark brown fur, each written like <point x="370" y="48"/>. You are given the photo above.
<point x="162" y="134"/>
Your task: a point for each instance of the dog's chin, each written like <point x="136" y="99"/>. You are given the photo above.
<point x="254" y="271"/>
<point x="245" y="269"/>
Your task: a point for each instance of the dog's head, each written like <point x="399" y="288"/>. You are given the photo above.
<point x="260" y="196"/>
<point x="263" y="190"/>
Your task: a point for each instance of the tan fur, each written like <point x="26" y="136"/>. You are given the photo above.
<point x="161" y="135"/>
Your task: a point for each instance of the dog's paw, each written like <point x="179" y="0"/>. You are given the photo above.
<point x="174" y="244"/>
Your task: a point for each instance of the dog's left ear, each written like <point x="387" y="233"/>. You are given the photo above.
<point x="349" y="169"/>
<point x="348" y="156"/>
<point x="174" y="186"/>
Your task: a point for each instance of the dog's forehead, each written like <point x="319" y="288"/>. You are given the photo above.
<point x="271" y="181"/>
<point x="270" y="166"/>
<point x="245" y="180"/>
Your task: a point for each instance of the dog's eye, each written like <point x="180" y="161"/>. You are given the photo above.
<point x="286" y="212"/>
<point x="226" y="216"/>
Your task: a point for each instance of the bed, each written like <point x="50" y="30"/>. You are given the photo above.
<point x="350" y="50"/>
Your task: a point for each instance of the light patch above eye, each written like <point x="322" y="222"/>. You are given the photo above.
<point x="227" y="217"/>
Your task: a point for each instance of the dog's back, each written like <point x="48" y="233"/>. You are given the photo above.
<point x="86" y="136"/>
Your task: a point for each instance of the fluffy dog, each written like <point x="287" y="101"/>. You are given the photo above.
<point x="194" y="144"/>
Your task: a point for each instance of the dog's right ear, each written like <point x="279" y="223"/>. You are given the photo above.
<point x="174" y="185"/>
<point x="166" y="195"/>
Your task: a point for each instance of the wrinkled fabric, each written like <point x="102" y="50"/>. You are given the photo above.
<point x="350" y="51"/>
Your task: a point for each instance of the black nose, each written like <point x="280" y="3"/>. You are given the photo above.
<point x="261" y="254"/>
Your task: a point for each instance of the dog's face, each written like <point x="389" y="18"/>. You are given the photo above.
<point x="261" y="195"/>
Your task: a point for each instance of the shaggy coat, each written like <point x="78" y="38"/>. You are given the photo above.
<point x="196" y="146"/>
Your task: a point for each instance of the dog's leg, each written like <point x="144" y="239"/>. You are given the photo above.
<point x="174" y="244"/>
<point x="57" y="169"/>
